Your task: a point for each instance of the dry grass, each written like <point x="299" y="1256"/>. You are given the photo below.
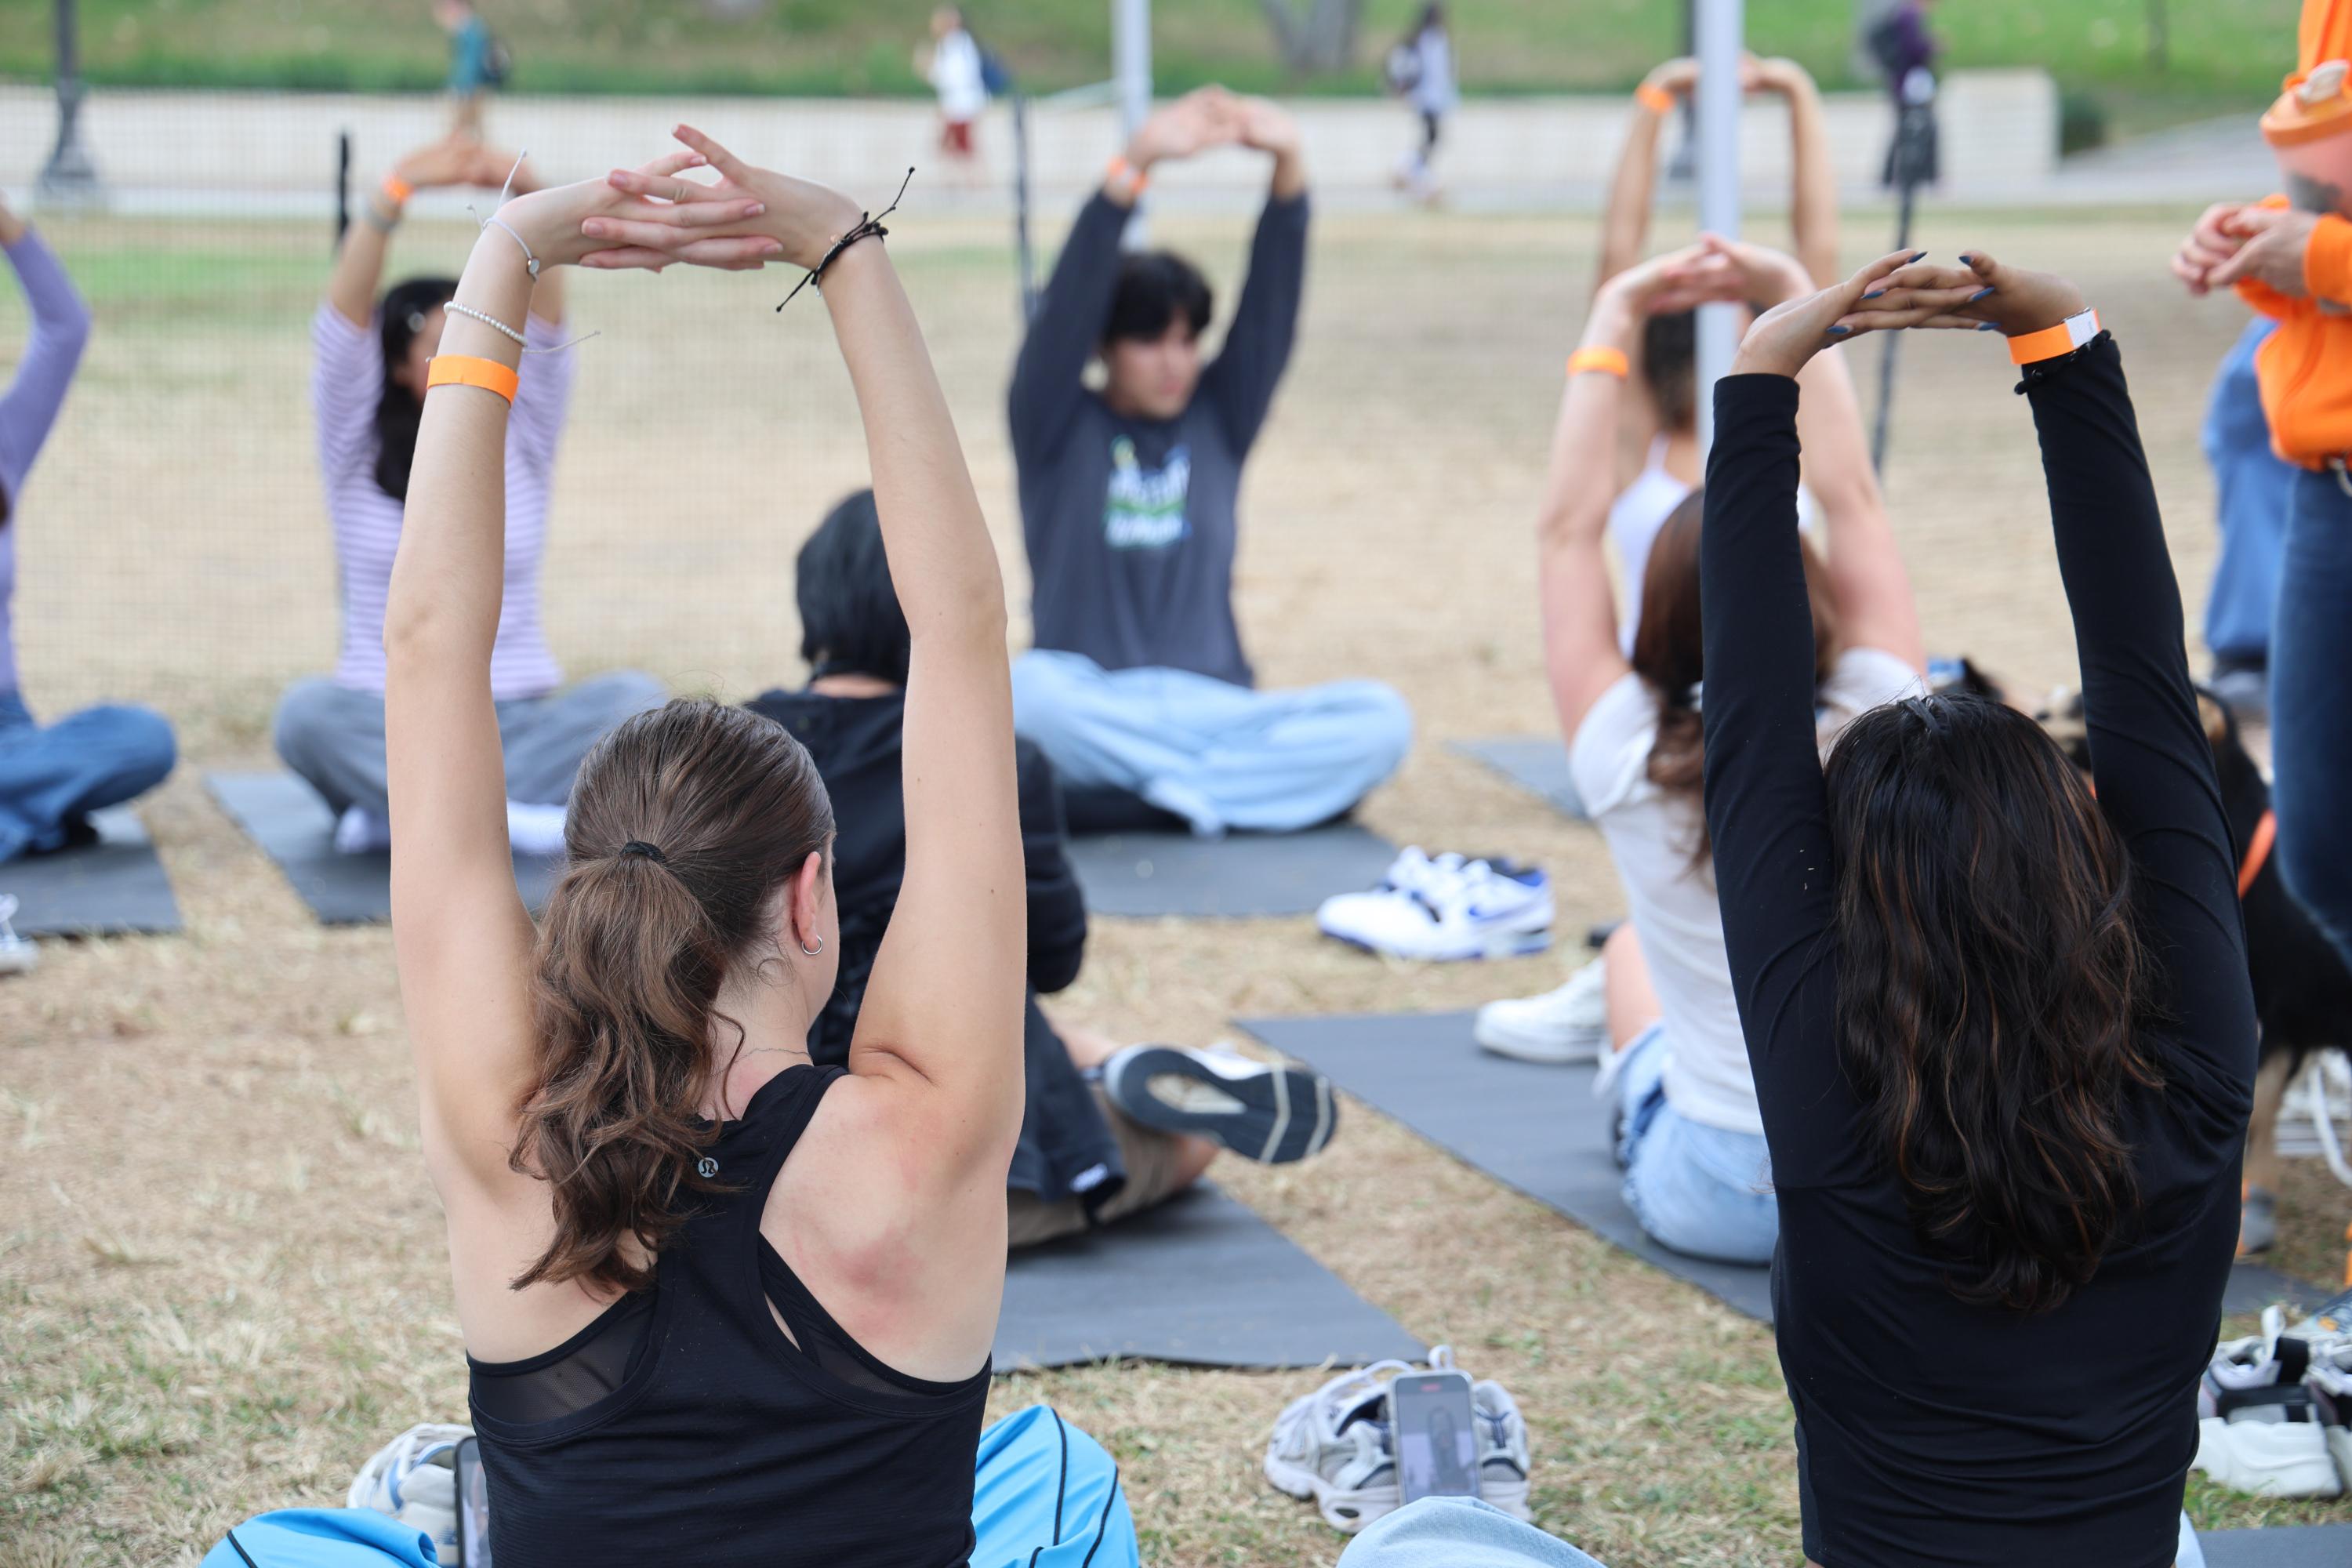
<point x="221" y="1271"/>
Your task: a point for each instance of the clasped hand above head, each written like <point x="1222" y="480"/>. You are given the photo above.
<point x="653" y="215"/>
<point x="1904" y="290"/>
<point x="1712" y="271"/>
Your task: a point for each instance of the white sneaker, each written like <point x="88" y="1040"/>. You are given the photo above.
<point x="1334" y="1446"/>
<point x="2260" y="1427"/>
<point x="1445" y="909"/>
<point x="1568" y="1023"/>
<point x="360" y="831"/>
<point x="534" y="829"/>
<point x="1502" y="1447"/>
<point x="414" y="1478"/>
<point x="2330" y="1380"/>
<point x="18" y="955"/>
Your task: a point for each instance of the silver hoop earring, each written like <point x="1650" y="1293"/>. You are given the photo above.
<point x="813" y="952"/>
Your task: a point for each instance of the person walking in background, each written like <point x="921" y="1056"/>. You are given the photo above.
<point x="367" y="384"/>
<point x="1138" y="688"/>
<point x="53" y="776"/>
<point x="952" y="62"/>
<point x="2254" y="491"/>
<point x="1421" y="69"/>
<point x="473" y="71"/>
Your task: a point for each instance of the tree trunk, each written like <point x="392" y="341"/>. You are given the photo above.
<point x="1314" y="35"/>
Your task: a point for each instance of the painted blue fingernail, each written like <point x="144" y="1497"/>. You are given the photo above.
<point x="1968" y="257"/>
<point x="1874" y="294"/>
<point x="1839" y="332"/>
<point x="1986" y="326"/>
<point x="1980" y="294"/>
<point x="1919" y="256"/>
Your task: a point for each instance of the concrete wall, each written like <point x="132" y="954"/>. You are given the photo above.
<point x="267" y="150"/>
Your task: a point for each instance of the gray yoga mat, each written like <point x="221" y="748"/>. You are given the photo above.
<point x="1536" y="764"/>
<point x="294" y="828"/>
<point x="1201" y="1282"/>
<point x="107" y="888"/>
<point x="2281" y="1546"/>
<point x="1241" y="874"/>
<point x="1539" y="1129"/>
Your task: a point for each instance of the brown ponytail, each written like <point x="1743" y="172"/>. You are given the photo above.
<point x="683" y="824"/>
<point x="1669" y="651"/>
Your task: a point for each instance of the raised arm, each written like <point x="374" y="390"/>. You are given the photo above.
<point x="1048" y="386"/>
<point x="460" y="934"/>
<point x="1625" y="222"/>
<point x="60" y="330"/>
<point x="1240" y="384"/>
<point x="1812" y="185"/>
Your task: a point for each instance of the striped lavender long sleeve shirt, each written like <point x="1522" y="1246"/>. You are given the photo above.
<point x="347" y="380"/>
<point x="29" y="408"/>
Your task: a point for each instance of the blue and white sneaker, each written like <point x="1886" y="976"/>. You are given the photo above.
<point x="18" y="953"/>
<point x="1444" y="908"/>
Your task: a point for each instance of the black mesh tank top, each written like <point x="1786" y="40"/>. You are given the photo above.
<point x="683" y="1427"/>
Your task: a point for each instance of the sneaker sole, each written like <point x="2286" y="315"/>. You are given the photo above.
<point x="1287" y="1113"/>
<point x="2263" y="1461"/>
<point x="1500" y="944"/>
<point x="1511" y="1497"/>
<point x="1576" y="1046"/>
<point x="1344" y="1510"/>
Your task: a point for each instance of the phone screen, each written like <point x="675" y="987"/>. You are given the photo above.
<point x="1436" y="1443"/>
<point x="473" y="1507"/>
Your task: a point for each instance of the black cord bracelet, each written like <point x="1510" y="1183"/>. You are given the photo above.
<point x="869" y="227"/>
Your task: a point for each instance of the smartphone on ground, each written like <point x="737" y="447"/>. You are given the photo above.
<point x="1436" y="1439"/>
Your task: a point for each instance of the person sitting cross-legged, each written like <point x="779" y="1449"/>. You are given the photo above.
<point x="1137" y="687"/>
<point x="1106" y="1130"/>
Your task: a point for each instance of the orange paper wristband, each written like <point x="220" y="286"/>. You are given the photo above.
<point x="1121" y="170"/>
<point x="2050" y="342"/>
<point x="397" y="191"/>
<point x="1611" y="361"/>
<point x="1655" y="98"/>
<point x="465" y="370"/>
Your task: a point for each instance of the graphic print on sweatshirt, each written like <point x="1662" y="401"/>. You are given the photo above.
<point x="1145" y="508"/>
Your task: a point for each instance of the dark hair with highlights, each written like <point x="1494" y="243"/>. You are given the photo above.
<point x="399" y="411"/>
<point x="1670" y="652"/>
<point x="1992" y="989"/>
<point x="1155" y="288"/>
<point x="632" y="951"/>
<point x="1670" y="368"/>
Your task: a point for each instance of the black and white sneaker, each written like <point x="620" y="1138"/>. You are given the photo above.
<point x="1270" y="1114"/>
<point x="2262" y="1427"/>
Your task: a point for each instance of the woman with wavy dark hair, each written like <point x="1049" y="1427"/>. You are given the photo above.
<point x="2002" y="1036"/>
<point x="367" y="390"/>
<point x="721" y="1305"/>
<point x="1697" y="1174"/>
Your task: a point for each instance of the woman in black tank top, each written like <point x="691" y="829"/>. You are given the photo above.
<point x="721" y="1306"/>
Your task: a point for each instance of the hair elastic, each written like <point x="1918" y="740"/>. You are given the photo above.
<point x="638" y="850"/>
<point x="1608" y="360"/>
<point x="1655" y="98"/>
<point x="465" y="370"/>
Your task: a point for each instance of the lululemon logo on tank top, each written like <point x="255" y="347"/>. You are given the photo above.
<point x="706" y="1167"/>
<point x="1145" y="509"/>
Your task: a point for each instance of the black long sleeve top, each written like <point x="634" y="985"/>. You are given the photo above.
<point x="1930" y="1430"/>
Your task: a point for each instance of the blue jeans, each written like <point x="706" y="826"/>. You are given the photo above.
<point x="1696" y="1189"/>
<point x="2310" y="704"/>
<point x="2255" y="488"/>
<point x="1216" y="754"/>
<point x="53" y="776"/>
<point x="1458" y="1532"/>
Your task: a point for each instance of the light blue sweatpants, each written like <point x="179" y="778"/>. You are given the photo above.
<point x="1216" y="754"/>
<point x="1458" y="1532"/>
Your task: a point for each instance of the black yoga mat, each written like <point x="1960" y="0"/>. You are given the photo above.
<point x="2281" y="1546"/>
<point x="1241" y="874"/>
<point x="107" y="888"/>
<point x="1201" y="1282"/>
<point x="1536" y="764"/>
<point x="1538" y="1129"/>
<point x="294" y="828"/>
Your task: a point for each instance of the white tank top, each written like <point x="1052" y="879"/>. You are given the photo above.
<point x="1637" y="514"/>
